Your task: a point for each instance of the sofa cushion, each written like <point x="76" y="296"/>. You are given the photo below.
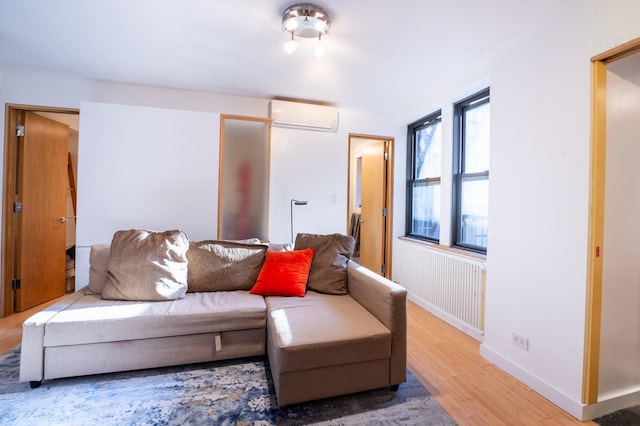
<point x="147" y="265"/>
<point x="280" y="246"/>
<point x="329" y="267"/>
<point x="284" y="273"/>
<point x="98" y="267"/>
<point x="321" y="330"/>
<point x="223" y="265"/>
<point x="92" y="319"/>
<point x="246" y="241"/>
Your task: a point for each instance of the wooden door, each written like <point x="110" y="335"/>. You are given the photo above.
<point x="373" y="210"/>
<point x="40" y="258"/>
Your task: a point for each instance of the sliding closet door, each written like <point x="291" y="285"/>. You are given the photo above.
<point x="243" y="204"/>
<point x="619" y="338"/>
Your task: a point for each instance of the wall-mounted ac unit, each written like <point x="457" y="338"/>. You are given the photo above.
<point x="299" y="115"/>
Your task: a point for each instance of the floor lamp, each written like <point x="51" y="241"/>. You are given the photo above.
<point x="295" y="203"/>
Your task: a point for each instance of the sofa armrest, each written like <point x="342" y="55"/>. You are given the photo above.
<point x="32" y="348"/>
<point x="387" y="301"/>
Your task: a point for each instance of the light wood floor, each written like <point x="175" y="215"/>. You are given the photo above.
<point x="472" y="390"/>
<point x="447" y="363"/>
<point x="11" y="326"/>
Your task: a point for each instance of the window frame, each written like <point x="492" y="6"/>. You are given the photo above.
<point x="428" y="120"/>
<point x="459" y="175"/>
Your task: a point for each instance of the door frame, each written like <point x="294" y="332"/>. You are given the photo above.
<point x="7" y="263"/>
<point x="596" y="214"/>
<point x="388" y="237"/>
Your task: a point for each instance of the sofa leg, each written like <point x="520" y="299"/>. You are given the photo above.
<point x="394" y="387"/>
<point x="35" y="384"/>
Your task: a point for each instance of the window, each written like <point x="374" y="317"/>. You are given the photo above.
<point x="423" y="177"/>
<point x="471" y="172"/>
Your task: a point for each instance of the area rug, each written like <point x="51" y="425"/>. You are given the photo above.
<point x="625" y="417"/>
<point x="235" y="392"/>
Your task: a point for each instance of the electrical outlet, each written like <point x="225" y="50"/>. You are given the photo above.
<point x="519" y="341"/>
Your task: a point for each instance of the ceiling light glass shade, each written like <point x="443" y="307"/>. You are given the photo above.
<point x="291" y="25"/>
<point x="321" y="27"/>
<point x="319" y="49"/>
<point x="291" y="46"/>
<point x="305" y="20"/>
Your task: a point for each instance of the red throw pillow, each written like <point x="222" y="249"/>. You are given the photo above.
<point x="284" y="273"/>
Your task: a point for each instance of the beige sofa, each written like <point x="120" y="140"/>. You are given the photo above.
<point x="318" y="346"/>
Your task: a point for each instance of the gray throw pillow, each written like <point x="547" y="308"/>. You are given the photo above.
<point x="147" y="265"/>
<point x="98" y="267"/>
<point x="329" y="266"/>
<point x="224" y="265"/>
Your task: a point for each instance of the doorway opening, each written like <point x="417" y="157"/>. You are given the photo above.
<point x="39" y="206"/>
<point x="370" y="196"/>
<point x="611" y="350"/>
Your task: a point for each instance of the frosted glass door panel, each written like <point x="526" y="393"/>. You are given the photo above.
<point x="244" y="177"/>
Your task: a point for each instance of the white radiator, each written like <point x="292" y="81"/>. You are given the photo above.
<point x="448" y="285"/>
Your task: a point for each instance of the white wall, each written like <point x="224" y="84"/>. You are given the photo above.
<point x="540" y="97"/>
<point x="536" y="268"/>
<point x="539" y="195"/>
<point x="309" y="166"/>
<point x="313" y="166"/>
<point x="620" y="339"/>
<point x="157" y="142"/>
<point x="147" y="168"/>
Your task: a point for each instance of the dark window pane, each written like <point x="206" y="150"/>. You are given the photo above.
<point x="428" y="162"/>
<point x="476" y="138"/>
<point x="474" y="211"/>
<point x="426" y="210"/>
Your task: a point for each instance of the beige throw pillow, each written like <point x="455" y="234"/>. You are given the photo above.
<point x="223" y="265"/>
<point x="329" y="266"/>
<point x="147" y="265"/>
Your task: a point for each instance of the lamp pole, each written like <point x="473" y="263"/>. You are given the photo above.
<point x="296" y="203"/>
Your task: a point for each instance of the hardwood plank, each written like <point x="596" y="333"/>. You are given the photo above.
<point x="472" y="390"/>
<point x="11" y="326"/>
<point x="446" y="361"/>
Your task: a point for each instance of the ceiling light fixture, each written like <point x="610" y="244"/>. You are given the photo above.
<point x="307" y="21"/>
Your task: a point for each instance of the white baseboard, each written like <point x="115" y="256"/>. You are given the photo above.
<point x="575" y="408"/>
<point x="571" y="406"/>
<point x="611" y="404"/>
<point x="444" y="316"/>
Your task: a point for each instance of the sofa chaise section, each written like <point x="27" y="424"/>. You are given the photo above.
<point x="326" y="345"/>
<point x="387" y="301"/>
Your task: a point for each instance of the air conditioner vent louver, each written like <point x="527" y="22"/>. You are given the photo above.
<point x="299" y="115"/>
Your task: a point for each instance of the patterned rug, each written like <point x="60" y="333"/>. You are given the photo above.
<point x="625" y="417"/>
<point x="235" y="392"/>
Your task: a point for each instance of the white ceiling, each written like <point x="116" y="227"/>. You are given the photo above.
<point x="380" y="55"/>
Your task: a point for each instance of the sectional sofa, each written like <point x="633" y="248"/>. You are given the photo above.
<point x="327" y="325"/>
